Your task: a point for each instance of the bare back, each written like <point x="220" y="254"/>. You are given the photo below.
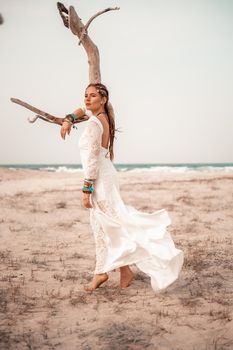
<point x="105" y="137"/>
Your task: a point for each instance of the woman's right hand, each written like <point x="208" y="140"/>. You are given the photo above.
<point x="65" y="129"/>
<point x="87" y="200"/>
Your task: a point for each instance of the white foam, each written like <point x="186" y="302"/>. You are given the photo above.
<point x="162" y="169"/>
<point x="181" y="169"/>
<point x="62" y="169"/>
<point x="165" y="169"/>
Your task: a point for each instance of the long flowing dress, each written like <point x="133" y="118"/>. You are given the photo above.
<point x="124" y="235"/>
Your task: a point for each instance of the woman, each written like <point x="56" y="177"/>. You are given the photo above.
<point x="123" y="235"/>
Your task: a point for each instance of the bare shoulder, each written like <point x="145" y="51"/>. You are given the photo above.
<point x="104" y="120"/>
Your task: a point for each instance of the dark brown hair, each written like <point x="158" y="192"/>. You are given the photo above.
<point x="103" y="91"/>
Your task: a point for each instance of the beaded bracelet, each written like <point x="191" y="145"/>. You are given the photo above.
<point x="67" y="119"/>
<point x="87" y="186"/>
<point x="70" y="118"/>
<point x="88" y="183"/>
<point x="74" y="116"/>
<point x="88" y="189"/>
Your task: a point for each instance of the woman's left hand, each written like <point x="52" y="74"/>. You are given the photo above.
<point x="87" y="200"/>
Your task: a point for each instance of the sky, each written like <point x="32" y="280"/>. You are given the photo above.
<point x="168" y="65"/>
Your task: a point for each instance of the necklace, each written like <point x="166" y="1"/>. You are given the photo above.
<point x="100" y="113"/>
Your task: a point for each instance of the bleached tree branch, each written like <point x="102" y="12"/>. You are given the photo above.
<point x="44" y="115"/>
<point x="72" y="21"/>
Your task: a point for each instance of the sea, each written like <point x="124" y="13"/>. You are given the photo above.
<point x="132" y="167"/>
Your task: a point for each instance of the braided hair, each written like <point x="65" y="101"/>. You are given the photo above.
<point x="103" y="91"/>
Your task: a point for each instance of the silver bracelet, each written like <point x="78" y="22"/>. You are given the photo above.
<point x="90" y="181"/>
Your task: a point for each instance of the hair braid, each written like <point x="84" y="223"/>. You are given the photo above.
<point x="101" y="88"/>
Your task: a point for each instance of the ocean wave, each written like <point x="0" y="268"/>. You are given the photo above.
<point x="61" y="169"/>
<point x="182" y="169"/>
<point x="216" y="168"/>
<point x="162" y="169"/>
<point x="169" y="168"/>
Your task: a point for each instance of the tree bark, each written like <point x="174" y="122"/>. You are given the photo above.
<point x="77" y="28"/>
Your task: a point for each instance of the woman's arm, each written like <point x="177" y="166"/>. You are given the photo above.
<point x="94" y="138"/>
<point x="69" y="119"/>
<point x="79" y="113"/>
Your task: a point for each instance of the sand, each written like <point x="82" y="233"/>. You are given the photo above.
<point x="47" y="255"/>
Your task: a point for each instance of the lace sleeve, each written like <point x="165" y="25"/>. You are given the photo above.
<point x="94" y="138"/>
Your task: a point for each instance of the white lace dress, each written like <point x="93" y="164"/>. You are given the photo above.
<point x="124" y="235"/>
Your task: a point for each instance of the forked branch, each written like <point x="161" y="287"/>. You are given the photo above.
<point x="72" y="21"/>
<point x="44" y="115"/>
<point x="84" y="30"/>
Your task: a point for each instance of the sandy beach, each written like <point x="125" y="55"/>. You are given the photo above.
<point x="47" y="254"/>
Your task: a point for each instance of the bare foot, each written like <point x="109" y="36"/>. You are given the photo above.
<point x="127" y="276"/>
<point x="96" y="282"/>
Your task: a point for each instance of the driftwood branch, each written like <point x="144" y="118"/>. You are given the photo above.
<point x="80" y="30"/>
<point x="72" y="21"/>
<point x="63" y="13"/>
<point x="44" y="115"/>
<point x="33" y="119"/>
<point x="84" y="30"/>
<point x="76" y="26"/>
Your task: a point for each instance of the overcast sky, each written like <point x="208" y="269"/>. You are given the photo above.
<point x="168" y="65"/>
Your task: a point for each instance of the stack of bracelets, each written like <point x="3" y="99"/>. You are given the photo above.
<point x="88" y="186"/>
<point x="70" y="118"/>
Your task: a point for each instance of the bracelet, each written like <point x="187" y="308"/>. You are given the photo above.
<point x="66" y="119"/>
<point x="88" y="183"/>
<point x="89" y="180"/>
<point x="73" y="116"/>
<point x="70" y="118"/>
<point x="88" y="189"/>
<point x="87" y="186"/>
